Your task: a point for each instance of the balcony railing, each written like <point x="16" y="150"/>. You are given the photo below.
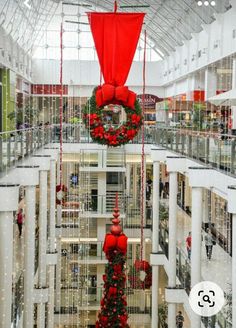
<point x="18" y="145"/>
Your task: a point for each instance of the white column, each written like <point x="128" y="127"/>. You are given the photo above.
<point x="210" y="82"/>
<point x="128" y="171"/>
<point x="197" y="210"/>
<point x="42" y="273"/>
<point x="205" y="210"/>
<point x="100" y="272"/>
<point x="155" y="206"/>
<point x="52" y="236"/>
<point x="6" y="259"/>
<point x="232" y="209"/>
<point x="8" y="204"/>
<point x="29" y="251"/>
<point x="234" y="270"/>
<point x="101" y="232"/>
<point x="102" y="186"/>
<point x="155" y="242"/>
<point x="233" y="108"/>
<point x="196" y="235"/>
<point x="172" y="243"/>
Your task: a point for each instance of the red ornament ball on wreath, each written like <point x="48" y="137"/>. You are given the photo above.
<point x="113" y="115"/>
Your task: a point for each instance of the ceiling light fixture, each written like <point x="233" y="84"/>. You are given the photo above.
<point x="199" y="3"/>
<point x="206" y="3"/>
<point x="213" y="3"/>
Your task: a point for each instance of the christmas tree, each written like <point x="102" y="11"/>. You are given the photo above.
<point x="113" y="311"/>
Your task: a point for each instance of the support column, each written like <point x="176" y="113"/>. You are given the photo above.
<point x="199" y="178"/>
<point x="234" y="270"/>
<point x="232" y="210"/>
<point x="128" y="171"/>
<point x="28" y="176"/>
<point x="155" y="242"/>
<point x="9" y="194"/>
<point x="29" y="260"/>
<point x="42" y="273"/>
<point x="210" y="83"/>
<point x="52" y="237"/>
<point x="100" y="272"/>
<point x="102" y="199"/>
<point x="196" y="235"/>
<point x="175" y="164"/>
<point x="233" y="108"/>
<point x="172" y="243"/>
<point x="101" y="232"/>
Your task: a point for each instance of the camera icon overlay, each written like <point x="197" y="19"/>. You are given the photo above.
<point x="206" y="298"/>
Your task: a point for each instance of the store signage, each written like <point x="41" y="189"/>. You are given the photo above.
<point x="149" y="101"/>
<point x="46" y="89"/>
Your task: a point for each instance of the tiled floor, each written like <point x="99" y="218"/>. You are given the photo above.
<point x="219" y="268"/>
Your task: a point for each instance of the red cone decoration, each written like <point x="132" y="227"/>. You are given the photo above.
<point x="113" y="311"/>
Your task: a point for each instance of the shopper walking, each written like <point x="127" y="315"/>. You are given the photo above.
<point x="209" y="242"/>
<point x="179" y="320"/>
<point x="20" y="221"/>
<point x="189" y="245"/>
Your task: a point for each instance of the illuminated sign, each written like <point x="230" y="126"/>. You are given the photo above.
<point x="149" y="101"/>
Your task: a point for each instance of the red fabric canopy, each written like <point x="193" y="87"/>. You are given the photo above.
<point x="115" y="36"/>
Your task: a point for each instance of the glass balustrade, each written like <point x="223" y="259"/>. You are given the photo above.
<point x="75" y="206"/>
<point x="214" y="149"/>
<point x="17" y="145"/>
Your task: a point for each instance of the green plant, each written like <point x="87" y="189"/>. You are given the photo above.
<point x="164" y="213"/>
<point x="198" y="115"/>
<point x="25" y="114"/>
<point x="163" y="313"/>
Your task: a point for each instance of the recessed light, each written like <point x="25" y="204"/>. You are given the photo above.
<point x="199" y="3"/>
<point x="206" y="3"/>
<point x="213" y="3"/>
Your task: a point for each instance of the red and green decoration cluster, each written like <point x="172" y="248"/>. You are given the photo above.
<point x="113" y="311"/>
<point x="94" y="114"/>
<point x="135" y="280"/>
<point x="116" y="37"/>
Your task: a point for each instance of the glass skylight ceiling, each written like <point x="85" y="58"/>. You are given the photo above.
<point x="77" y="39"/>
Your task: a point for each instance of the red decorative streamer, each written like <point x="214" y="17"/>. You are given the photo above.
<point x="116" y="37"/>
<point x="61" y="100"/>
<point x="143" y="153"/>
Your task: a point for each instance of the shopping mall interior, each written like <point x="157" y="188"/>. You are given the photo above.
<point x="78" y="172"/>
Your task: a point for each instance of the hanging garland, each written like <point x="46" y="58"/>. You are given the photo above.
<point x="134" y="275"/>
<point x="109" y="98"/>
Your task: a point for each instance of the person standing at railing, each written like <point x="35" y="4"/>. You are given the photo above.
<point x="19" y="221"/>
<point x="189" y="245"/>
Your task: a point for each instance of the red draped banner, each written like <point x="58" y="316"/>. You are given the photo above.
<point x="115" y="36"/>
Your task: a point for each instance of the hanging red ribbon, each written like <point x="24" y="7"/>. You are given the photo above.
<point x="116" y="37"/>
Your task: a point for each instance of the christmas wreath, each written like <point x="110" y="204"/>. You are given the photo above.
<point x="101" y="117"/>
<point x="140" y="268"/>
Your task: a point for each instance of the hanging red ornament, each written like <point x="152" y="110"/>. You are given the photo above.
<point x="114" y="304"/>
<point x="115" y="60"/>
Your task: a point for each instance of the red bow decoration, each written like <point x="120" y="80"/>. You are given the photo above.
<point x="109" y="94"/>
<point x="115" y="242"/>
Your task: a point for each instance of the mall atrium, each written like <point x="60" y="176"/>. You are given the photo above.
<point x="117" y="163"/>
